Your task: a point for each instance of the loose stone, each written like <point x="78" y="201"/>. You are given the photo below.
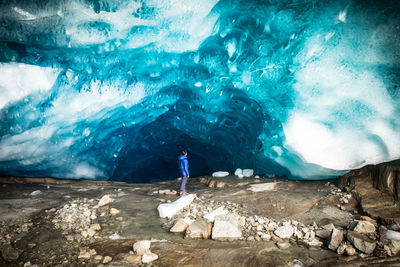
<point x="148" y="257"/>
<point x="107" y="259"/>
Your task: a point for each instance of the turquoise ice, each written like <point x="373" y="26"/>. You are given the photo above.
<point x="115" y="89"/>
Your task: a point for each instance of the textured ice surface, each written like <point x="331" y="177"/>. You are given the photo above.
<point x="115" y="89"/>
<point x="170" y="209"/>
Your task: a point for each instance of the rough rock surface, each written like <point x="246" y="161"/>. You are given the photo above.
<point x="377" y="187"/>
<point x="361" y="242"/>
<point x="180" y="226"/>
<point x="364" y="227"/>
<point x="226" y="227"/>
<point x="199" y="229"/>
<point x="335" y="239"/>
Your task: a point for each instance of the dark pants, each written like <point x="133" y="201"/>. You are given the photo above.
<point x="183" y="184"/>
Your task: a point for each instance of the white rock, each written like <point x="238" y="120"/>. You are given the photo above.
<point x="313" y="243"/>
<point x="220" y="174"/>
<point x="265" y="236"/>
<point x="106" y="199"/>
<point x="142" y="246"/>
<point x="283" y="245"/>
<point x="285" y="231"/>
<point x="261" y="220"/>
<point x="148" y="257"/>
<point x="240" y="176"/>
<point x="226" y="227"/>
<point x="257" y="177"/>
<point x="35" y="193"/>
<point x="248" y="172"/>
<point x="238" y="171"/>
<point x="107" y="259"/>
<point x="170" y="209"/>
<point x="262" y="187"/>
<point x="297" y="263"/>
<point x="211" y="216"/>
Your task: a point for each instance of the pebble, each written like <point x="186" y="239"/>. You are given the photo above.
<point x="95" y="227"/>
<point x="98" y="257"/>
<point x="107" y="259"/>
<point x="114" y="211"/>
<point x="350" y="251"/>
<point x="148" y="257"/>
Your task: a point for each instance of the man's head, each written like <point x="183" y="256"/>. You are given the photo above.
<point x="184" y="152"/>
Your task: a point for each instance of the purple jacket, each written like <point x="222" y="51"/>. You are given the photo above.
<point x="184" y="165"/>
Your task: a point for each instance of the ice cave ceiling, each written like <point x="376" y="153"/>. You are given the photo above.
<point x="115" y="89"/>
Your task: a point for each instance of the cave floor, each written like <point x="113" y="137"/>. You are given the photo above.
<point x="28" y="232"/>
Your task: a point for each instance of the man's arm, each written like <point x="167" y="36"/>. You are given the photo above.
<point x="187" y="167"/>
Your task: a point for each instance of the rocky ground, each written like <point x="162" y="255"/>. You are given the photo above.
<point x="229" y="222"/>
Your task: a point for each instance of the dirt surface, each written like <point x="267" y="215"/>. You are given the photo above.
<point x="31" y="234"/>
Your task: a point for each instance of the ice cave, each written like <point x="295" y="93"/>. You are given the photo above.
<point x="114" y="89"/>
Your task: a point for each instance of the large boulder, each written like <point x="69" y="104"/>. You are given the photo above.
<point x="285" y="231"/>
<point x="361" y="242"/>
<point x="170" y="209"/>
<point x="199" y="229"/>
<point x="226" y="227"/>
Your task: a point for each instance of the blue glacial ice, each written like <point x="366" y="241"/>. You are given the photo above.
<point x="114" y="89"/>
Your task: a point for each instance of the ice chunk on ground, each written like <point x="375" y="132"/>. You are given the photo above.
<point x="220" y="174"/>
<point x="248" y="172"/>
<point x="238" y="171"/>
<point x="170" y="209"/>
<point x="392" y="235"/>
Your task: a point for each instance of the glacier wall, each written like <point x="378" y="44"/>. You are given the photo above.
<point x="113" y="89"/>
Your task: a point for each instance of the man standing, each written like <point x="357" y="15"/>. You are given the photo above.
<point x="184" y="168"/>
